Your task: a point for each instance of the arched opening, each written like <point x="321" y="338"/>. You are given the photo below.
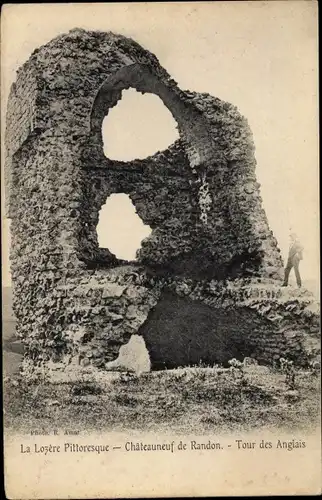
<point x="119" y="228"/>
<point x="138" y="127"/>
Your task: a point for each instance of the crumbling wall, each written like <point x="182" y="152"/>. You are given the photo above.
<point x="213" y="322"/>
<point x="228" y="232"/>
<point x="76" y="303"/>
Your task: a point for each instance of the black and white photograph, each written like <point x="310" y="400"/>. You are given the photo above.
<point x="160" y="249"/>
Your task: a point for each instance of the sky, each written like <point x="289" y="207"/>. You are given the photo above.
<point x="260" y="56"/>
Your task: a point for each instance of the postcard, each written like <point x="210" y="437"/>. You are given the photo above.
<point x="160" y="250"/>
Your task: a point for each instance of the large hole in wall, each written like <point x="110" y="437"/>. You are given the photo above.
<point x="119" y="227"/>
<point x="181" y="331"/>
<point x="137" y="127"/>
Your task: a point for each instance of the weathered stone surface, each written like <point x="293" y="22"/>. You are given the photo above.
<point x="210" y="237"/>
<point x="113" y="290"/>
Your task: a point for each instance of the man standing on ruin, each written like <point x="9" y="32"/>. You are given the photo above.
<point x="295" y="255"/>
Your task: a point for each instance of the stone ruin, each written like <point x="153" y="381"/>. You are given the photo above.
<point x="205" y="286"/>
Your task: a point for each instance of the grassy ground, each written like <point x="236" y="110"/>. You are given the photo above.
<point x="187" y="400"/>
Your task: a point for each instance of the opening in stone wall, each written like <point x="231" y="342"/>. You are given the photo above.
<point x="119" y="228"/>
<point x="137" y="127"/>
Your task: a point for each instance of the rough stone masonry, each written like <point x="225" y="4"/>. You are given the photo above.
<point x="205" y="286"/>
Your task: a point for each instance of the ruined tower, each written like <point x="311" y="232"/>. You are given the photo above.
<point x="206" y="283"/>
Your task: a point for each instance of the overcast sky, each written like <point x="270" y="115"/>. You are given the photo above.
<point x="260" y="56"/>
